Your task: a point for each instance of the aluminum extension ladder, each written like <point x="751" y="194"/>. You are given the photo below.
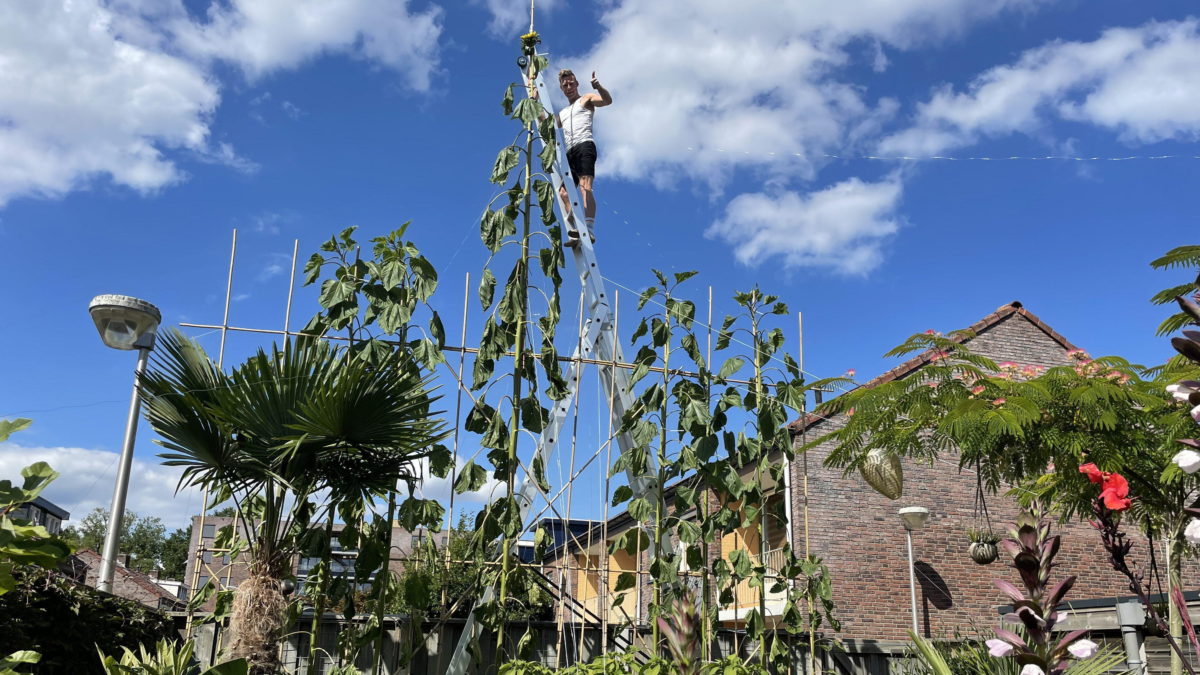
<point x="599" y="343"/>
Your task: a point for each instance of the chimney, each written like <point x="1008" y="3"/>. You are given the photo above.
<point x="817" y="395"/>
<point x="123" y="560"/>
<point x="154" y="574"/>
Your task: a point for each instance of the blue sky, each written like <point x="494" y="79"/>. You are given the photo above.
<point x="130" y="158"/>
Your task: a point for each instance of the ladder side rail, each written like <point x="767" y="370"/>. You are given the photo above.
<point x="588" y="270"/>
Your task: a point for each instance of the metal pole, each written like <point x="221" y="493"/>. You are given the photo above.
<point x="116" y="516"/>
<point x="912" y="582"/>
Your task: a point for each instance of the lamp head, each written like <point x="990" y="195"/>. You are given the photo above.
<point x="914" y="517"/>
<point x="125" y="323"/>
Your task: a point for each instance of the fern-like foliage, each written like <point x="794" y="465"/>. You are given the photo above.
<point x="1023" y="429"/>
<point x="1183" y="257"/>
<point x="1180" y="256"/>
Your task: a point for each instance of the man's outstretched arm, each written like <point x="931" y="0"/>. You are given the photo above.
<point x="601" y="98"/>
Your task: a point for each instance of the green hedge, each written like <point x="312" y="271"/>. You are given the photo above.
<point x="65" y="621"/>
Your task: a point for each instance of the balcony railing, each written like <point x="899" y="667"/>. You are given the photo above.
<point x="745" y="597"/>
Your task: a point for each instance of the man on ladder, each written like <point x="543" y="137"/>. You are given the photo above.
<point x="576" y="122"/>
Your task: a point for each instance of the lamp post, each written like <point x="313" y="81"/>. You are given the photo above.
<point x="914" y="518"/>
<point x="124" y="323"/>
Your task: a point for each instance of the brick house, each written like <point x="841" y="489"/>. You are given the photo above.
<point x="84" y="567"/>
<point x="858" y="533"/>
<point x="205" y="562"/>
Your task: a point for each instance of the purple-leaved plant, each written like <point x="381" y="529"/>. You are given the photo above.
<point x="1033" y="549"/>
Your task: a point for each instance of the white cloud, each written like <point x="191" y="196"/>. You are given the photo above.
<point x="292" y="111"/>
<point x="511" y="17"/>
<point x="88" y="477"/>
<point x="262" y="36"/>
<point x="78" y="101"/>
<point x="703" y="87"/>
<point x="841" y="227"/>
<point x="112" y="89"/>
<point x="440" y="488"/>
<point x="267" y="222"/>
<point x="273" y="268"/>
<point x="1141" y="83"/>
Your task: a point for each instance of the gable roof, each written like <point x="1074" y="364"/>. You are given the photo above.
<point x="1003" y="313"/>
<point x="91" y="559"/>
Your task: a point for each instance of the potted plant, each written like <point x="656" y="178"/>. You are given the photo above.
<point x="983" y="546"/>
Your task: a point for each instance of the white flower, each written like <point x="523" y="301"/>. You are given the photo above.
<point x="999" y="648"/>
<point x="1192" y="533"/>
<point x="1032" y="669"/>
<point x="1188" y="460"/>
<point x="1086" y="649"/>
<point x="1182" y="389"/>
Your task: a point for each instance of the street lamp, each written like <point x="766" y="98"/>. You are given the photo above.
<point x="914" y="518"/>
<point x="124" y="323"/>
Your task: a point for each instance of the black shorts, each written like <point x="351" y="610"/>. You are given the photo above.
<point x="581" y="159"/>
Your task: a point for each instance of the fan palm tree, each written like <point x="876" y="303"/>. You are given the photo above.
<point x="281" y="428"/>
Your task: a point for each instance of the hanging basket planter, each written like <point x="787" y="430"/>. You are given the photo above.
<point x="882" y="471"/>
<point x="982" y="552"/>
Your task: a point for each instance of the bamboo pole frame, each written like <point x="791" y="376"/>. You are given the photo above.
<point x="602" y="567"/>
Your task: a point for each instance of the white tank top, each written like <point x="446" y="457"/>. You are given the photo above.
<point x="576" y="123"/>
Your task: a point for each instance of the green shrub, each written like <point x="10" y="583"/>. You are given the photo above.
<point x="65" y="622"/>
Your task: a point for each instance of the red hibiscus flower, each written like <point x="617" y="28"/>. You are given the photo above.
<point x="1094" y="474"/>
<point x="1116" y="492"/>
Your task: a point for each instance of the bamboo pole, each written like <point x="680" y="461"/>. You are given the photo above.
<point x="564" y="560"/>
<point x="536" y="355"/>
<point x="705" y="632"/>
<point x="287" y="316"/>
<point x="812" y="638"/>
<point x="612" y="383"/>
<point x="462" y="357"/>
<point x="224" y="327"/>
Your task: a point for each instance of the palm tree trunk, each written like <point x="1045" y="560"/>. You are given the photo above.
<point x="257" y="623"/>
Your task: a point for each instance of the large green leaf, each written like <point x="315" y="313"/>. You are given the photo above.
<point x="470" y="478"/>
<point x="9" y="427"/>
<point x="505" y="161"/>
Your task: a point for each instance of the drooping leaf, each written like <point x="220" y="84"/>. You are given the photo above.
<point x="533" y="416"/>
<point x="487" y="289"/>
<point x="528" y="110"/>
<point x="731" y="366"/>
<point x="470" y="478"/>
<point x="440" y="461"/>
<point x="505" y="161"/>
<point x="425" y="278"/>
<point x="507" y="105"/>
<point x="646" y="296"/>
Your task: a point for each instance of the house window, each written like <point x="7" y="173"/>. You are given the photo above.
<point x="418" y="540"/>
<point x="201" y="581"/>
<point x="210" y="531"/>
<point x="53" y="524"/>
<point x="225" y="559"/>
<point x="207" y="557"/>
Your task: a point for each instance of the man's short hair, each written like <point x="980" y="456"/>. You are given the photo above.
<point x="564" y="74"/>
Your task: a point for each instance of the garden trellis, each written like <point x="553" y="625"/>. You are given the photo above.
<point x="597" y="345"/>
